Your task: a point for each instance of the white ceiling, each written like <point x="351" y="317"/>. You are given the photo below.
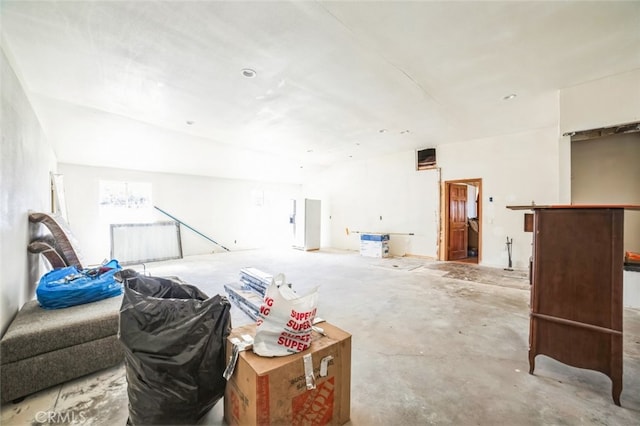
<point x="114" y="83"/>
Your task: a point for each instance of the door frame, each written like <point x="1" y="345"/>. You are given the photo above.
<point x="444" y="216"/>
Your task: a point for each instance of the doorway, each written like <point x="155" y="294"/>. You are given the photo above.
<point x="461" y="232"/>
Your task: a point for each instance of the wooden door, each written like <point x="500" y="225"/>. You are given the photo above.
<point x="458" y="237"/>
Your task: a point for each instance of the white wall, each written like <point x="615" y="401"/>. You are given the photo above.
<point x="226" y="210"/>
<point x="515" y="169"/>
<point x="607" y="171"/>
<point x="601" y="103"/>
<point x="355" y="196"/>
<point x="26" y="160"/>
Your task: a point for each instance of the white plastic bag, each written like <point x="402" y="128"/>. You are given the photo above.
<point x="286" y="318"/>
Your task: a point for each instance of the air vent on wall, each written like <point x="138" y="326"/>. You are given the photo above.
<point x="425" y="159"/>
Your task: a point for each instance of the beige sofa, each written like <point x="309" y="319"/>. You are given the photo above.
<point x="46" y="347"/>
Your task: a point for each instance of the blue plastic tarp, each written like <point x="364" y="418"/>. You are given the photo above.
<point x="70" y="286"/>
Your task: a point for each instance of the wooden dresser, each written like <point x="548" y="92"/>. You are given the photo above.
<point x="576" y="287"/>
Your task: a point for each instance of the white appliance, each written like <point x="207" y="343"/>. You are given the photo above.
<point x="305" y="219"/>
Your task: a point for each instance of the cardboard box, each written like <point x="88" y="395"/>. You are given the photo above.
<point x="374" y="237"/>
<point x="273" y="390"/>
<point x="374" y="245"/>
<point x="374" y="249"/>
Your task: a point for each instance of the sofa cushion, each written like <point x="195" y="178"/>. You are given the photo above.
<point x="39" y="372"/>
<point x="36" y="330"/>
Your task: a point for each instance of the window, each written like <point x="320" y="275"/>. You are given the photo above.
<point x="125" y="202"/>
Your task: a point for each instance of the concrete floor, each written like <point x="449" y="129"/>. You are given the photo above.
<point x="433" y="343"/>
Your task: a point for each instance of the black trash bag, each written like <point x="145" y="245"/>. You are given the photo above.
<point x="174" y="340"/>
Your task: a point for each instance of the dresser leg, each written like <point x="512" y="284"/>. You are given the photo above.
<point x="532" y="361"/>
<point x="616" y="390"/>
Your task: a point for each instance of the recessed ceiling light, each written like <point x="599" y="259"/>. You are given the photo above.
<point x="248" y="72"/>
<point x="190" y="122"/>
<point x="509" y="97"/>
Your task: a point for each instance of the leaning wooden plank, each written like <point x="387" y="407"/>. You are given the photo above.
<point x="49" y="253"/>
<point x="65" y="242"/>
